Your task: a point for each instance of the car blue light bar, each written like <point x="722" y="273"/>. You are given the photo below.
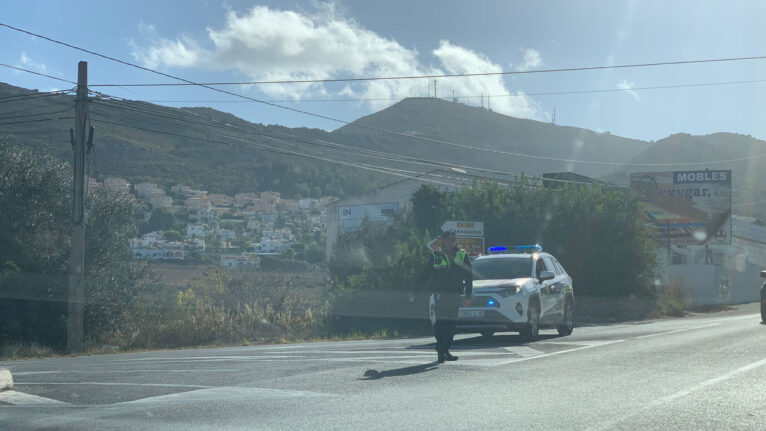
<point x="528" y="249"/>
<point x="501" y="249"/>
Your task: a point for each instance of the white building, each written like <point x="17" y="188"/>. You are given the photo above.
<point x="145" y="190"/>
<point x="195" y="230"/>
<point x="204" y="216"/>
<point x="160" y="200"/>
<point x="198" y="203"/>
<point x="308" y="203"/>
<point x="116" y="183"/>
<point x="271" y="246"/>
<point x="196" y="244"/>
<point x="154" y="249"/>
<point x="224" y="234"/>
<point x="253" y="225"/>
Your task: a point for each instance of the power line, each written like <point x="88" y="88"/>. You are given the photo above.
<point x="29" y="96"/>
<point x="36" y="113"/>
<point x="433" y="76"/>
<point x="517" y="94"/>
<point x="411" y="136"/>
<point x="36" y="121"/>
<point x="37" y="73"/>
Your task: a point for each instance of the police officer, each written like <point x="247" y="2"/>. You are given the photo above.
<point x="451" y="276"/>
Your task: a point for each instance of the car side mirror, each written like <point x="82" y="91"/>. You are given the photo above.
<point x="763" y="274"/>
<point x="547" y="275"/>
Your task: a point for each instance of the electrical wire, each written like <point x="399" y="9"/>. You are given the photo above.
<point x="412" y="136"/>
<point x="37" y="73"/>
<point x="36" y="121"/>
<point x="517" y="94"/>
<point x="36" y="113"/>
<point x="22" y="97"/>
<point x="434" y="76"/>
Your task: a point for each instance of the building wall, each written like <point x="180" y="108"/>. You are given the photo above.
<point x="400" y="192"/>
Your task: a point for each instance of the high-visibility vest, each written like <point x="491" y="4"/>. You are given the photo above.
<point x="442" y="262"/>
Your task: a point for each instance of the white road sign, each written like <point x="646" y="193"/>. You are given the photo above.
<point x="464" y="228"/>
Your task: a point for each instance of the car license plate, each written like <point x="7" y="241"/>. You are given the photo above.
<point x="472" y="314"/>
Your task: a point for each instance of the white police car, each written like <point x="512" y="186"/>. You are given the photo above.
<point x="518" y="289"/>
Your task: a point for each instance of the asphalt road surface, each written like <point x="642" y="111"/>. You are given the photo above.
<point x="701" y="372"/>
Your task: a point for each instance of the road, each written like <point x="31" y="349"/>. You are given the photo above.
<point x="701" y="372"/>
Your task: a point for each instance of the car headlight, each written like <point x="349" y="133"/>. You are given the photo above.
<point x="510" y="291"/>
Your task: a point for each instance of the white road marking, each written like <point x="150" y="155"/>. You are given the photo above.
<point x="545" y="355"/>
<point x="21" y="399"/>
<point x="32" y="373"/>
<point x="524" y="351"/>
<point x="216" y="358"/>
<point x="678" y="330"/>
<point x="159" y="385"/>
<point x="224" y="393"/>
<point x="672" y="397"/>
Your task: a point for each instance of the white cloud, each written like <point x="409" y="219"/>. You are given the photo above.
<point x="532" y="59"/>
<point x="181" y="52"/>
<point x="266" y="44"/>
<point x="146" y="28"/>
<point x="31" y="64"/>
<point x="628" y="87"/>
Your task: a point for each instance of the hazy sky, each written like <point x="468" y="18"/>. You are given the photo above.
<point x="246" y="40"/>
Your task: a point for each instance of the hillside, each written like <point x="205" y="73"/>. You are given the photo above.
<point x="218" y="160"/>
<point x="478" y="127"/>
<point x="199" y="147"/>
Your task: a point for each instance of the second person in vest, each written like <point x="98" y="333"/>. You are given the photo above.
<point x="450" y="278"/>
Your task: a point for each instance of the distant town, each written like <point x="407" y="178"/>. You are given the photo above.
<point x="231" y="231"/>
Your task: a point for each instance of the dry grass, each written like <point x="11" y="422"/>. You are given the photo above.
<point x="672" y="300"/>
<point x="17" y="350"/>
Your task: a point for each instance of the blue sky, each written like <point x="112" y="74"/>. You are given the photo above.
<point x="245" y="40"/>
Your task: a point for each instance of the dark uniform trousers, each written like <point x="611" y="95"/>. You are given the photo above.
<point x="446" y="320"/>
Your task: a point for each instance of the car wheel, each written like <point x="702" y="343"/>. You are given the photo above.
<point x="763" y="309"/>
<point x="487" y="334"/>
<point x="567" y="324"/>
<point x="532" y="328"/>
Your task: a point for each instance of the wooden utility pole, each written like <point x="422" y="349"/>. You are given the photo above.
<point x="77" y="262"/>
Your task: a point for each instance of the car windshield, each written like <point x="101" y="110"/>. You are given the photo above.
<point x="502" y="269"/>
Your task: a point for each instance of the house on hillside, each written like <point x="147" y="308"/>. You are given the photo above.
<point x="145" y="190"/>
<point x="116" y="183"/>
<point x="195" y="230"/>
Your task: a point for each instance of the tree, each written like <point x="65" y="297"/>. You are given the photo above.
<point x="35" y="194"/>
<point x="171" y="235"/>
<point x="161" y="219"/>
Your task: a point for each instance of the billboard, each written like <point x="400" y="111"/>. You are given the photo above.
<point x="350" y="217"/>
<point x="469" y="236"/>
<point x="687" y="207"/>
